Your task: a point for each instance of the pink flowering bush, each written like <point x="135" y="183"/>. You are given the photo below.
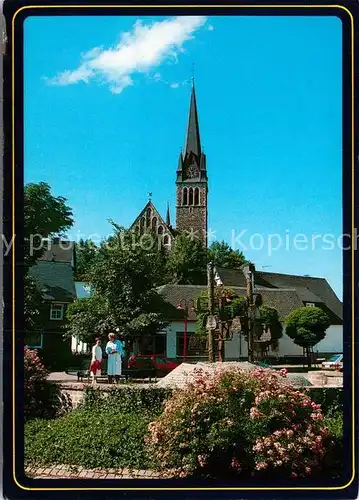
<point x="232" y="422"/>
<point x="41" y="397"/>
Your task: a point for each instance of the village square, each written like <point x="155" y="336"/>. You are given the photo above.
<point x="206" y="364"/>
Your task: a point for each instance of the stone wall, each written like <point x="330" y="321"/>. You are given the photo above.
<point x="76" y="391"/>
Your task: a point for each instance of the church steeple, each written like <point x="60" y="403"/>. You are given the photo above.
<point x="193" y="141"/>
<point x="192" y="181"/>
<point x="168" y="219"/>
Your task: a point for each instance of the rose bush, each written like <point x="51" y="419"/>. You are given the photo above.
<point x="42" y="398"/>
<point x="231" y="422"/>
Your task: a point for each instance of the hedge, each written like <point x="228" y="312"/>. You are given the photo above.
<point x="89" y="438"/>
<point x="128" y="399"/>
<point x="152" y="398"/>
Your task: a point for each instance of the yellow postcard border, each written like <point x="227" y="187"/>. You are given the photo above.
<point x="223" y="6"/>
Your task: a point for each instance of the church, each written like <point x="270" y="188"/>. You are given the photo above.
<point x="191" y="192"/>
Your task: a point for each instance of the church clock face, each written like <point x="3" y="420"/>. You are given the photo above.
<point x="193" y="171"/>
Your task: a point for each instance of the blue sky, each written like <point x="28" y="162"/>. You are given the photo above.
<point x="106" y="106"/>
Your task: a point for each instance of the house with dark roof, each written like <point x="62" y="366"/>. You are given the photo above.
<point x="54" y="276"/>
<point x="292" y="291"/>
<point x="283" y="292"/>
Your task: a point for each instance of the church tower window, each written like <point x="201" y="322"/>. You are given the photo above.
<point x="196" y="196"/>
<point x="190" y="200"/>
<point x="185" y="196"/>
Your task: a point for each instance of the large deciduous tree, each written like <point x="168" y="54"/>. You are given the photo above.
<point x="306" y="326"/>
<point x="223" y="255"/>
<point x="86" y="252"/>
<point x="45" y="215"/>
<point x="123" y="278"/>
<point x="187" y="261"/>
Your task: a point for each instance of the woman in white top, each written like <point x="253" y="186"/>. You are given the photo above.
<point x="95" y="367"/>
<point x="114" y="350"/>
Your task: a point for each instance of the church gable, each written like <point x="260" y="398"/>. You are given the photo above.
<point x="150" y="220"/>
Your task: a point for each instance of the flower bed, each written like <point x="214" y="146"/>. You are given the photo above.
<point x="232" y="423"/>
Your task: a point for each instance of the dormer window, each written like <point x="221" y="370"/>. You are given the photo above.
<point x="57" y="312"/>
<point x="309" y="304"/>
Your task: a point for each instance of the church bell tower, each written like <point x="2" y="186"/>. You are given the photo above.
<point x="192" y="182"/>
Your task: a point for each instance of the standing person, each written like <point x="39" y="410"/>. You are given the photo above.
<point x="114" y="363"/>
<point x="95" y="366"/>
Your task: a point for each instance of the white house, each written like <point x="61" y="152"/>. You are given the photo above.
<point x="283" y="292"/>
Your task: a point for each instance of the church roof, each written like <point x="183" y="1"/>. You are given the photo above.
<point x="167" y="228"/>
<point x="193" y="142"/>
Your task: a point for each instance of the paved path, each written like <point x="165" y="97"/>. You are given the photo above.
<point x="68" y="472"/>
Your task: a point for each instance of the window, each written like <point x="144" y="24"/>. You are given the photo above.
<point x="159" y="346"/>
<point x="310" y="304"/>
<point x="196" y="196"/>
<point x="195" y="346"/>
<point x="57" y="312"/>
<point x="154" y="223"/>
<point x="160" y="230"/>
<point x="185" y="197"/>
<point x="190" y="201"/>
<point x="34" y="340"/>
<point x="166" y="239"/>
<point x="148" y="217"/>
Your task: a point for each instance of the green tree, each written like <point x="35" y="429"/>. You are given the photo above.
<point x="86" y="252"/>
<point x="187" y="261"/>
<point x="45" y="215"/>
<point x="33" y="305"/>
<point x="123" y="279"/>
<point x="269" y="318"/>
<point x="306" y="326"/>
<point x="224" y="256"/>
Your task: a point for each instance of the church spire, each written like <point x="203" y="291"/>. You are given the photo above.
<point x="193" y="142"/>
<point x="168" y="219"/>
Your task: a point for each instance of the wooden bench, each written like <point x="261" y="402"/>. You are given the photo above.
<point x="149" y="372"/>
<point x="142" y="372"/>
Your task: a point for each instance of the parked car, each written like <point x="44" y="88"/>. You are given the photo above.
<point x="162" y="364"/>
<point x="335" y="362"/>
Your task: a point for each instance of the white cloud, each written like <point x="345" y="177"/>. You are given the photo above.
<point x="174" y="85"/>
<point x="139" y="51"/>
<point x="210" y="27"/>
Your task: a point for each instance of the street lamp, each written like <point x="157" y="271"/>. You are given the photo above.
<point x="185" y="306"/>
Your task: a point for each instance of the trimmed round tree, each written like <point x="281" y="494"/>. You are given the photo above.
<point x="306" y="326"/>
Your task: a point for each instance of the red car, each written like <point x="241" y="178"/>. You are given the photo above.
<point x="162" y="364"/>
